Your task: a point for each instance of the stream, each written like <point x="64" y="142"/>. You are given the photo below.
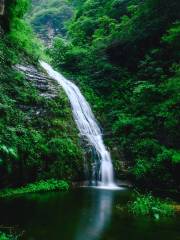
<point x="83" y="214"/>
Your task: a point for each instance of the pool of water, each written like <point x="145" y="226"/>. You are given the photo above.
<point x="83" y="214"/>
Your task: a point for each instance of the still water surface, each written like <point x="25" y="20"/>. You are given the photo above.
<point x="83" y="214"/>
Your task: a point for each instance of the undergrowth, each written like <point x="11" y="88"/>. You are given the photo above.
<point x="147" y="205"/>
<point x="41" y="186"/>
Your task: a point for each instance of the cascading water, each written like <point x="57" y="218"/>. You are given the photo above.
<point x="87" y="126"/>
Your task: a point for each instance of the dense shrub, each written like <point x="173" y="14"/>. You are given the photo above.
<point x="4" y="236"/>
<point x="41" y="186"/>
<point x="150" y="206"/>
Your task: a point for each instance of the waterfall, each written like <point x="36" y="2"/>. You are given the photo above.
<point x="88" y="127"/>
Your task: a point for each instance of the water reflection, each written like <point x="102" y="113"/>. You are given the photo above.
<point x="95" y="219"/>
<point x="82" y="214"/>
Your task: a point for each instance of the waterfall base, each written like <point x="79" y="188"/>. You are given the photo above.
<point x="109" y="187"/>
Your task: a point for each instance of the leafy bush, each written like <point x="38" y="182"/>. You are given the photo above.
<point x="19" y="36"/>
<point x="4" y="236"/>
<point x="150" y="206"/>
<point x="41" y="186"/>
<point x="22" y="39"/>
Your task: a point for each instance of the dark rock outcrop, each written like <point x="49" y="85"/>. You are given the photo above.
<point x="47" y="87"/>
<point x="2" y="7"/>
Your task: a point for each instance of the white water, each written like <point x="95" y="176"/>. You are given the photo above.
<point x="87" y="126"/>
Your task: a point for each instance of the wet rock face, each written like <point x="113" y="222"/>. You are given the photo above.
<point x="47" y="87"/>
<point x="2" y="7"/>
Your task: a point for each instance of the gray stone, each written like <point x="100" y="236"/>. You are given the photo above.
<point x="47" y="87"/>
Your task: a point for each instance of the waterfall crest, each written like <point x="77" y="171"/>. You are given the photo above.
<point x="88" y="127"/>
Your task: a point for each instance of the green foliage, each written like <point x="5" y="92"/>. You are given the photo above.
<point x="41" y="186"/>
<point x="19" y="8"/>
<point x="176" y="158"/>
<point x="4" y="236"/>
<point x="148" y="205"/>
<point x="50" y="15"/>
<point x="67" y="55"/>
<point x="173" y="35"/>
<point x="21" y="38"/>
<point x="125" y="57"/>
<point x="127" y="53"/>
<point x="32" y="146"/>
<point x="141" y="168"/>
